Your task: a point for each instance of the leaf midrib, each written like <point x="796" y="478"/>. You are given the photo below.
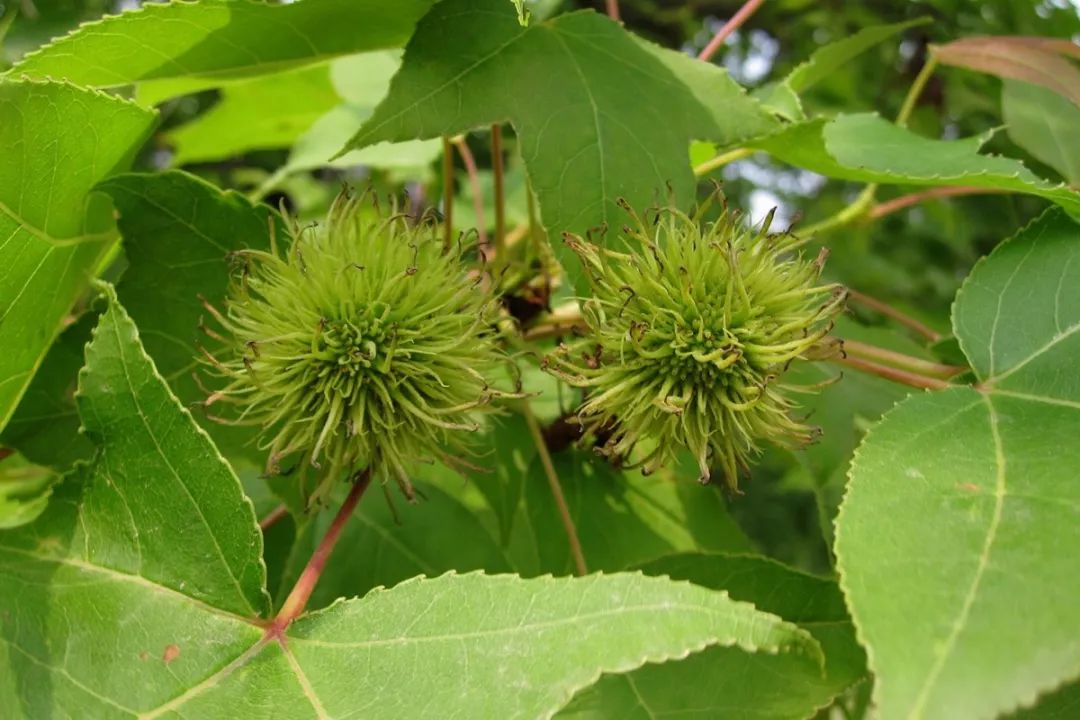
<point x="960" y="623"/>
<point x="172" y="469"/>
<point x="126" y="577"/>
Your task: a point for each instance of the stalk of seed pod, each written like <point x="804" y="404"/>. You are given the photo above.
<point x="690" y="332"/>
<point x="363" y="343"/>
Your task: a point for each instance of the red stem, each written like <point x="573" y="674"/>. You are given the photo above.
<point x="748" y="9"/>
<point x="474" y="184"/>
<point x="891" y="312"/>
<point x="272" y="517"/>
<point x="613" y="10"/>
<point x="890" y="373"/>
<point x="885" y="208"/>
<point x="500" y="200"/>
<point x="296" y="602"/>
<point x="448" y="195"/>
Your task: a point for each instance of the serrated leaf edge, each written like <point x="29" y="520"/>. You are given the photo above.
<point x="813" y="652"/>
<point x="838" y="525"/>
<point x="965" y="286"/>
<point x="108" y="291"/>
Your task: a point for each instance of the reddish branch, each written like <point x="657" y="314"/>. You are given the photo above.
<point x="613" y="10"/>
<point x="474" y="184"/>
<point x="272" y="517"/>
<point x="890" y="373"/>
<point x="296" y="602"/>
<point x="900" y="360"/>
<point x="744" y="13"/>
<point x="885" y="208"/>
<point x="500" y="201"/>
<point x="448" y="194"/>
<point x="891" y="312"/>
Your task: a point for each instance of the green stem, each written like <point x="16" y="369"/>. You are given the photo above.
<point x="859" y="207"/>
<point x="556" y="490"/>
<point x="863" y="204"/>
<point x="721" y="160"/>
<point x="916" y="90"/>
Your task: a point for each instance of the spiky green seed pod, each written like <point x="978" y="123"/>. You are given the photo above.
<point x="690" y="334"/>
<point x="364" y="343"/>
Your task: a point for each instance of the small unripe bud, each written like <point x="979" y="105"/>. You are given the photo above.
<point x="364" y="343"/>
<point x="689" y="335"/>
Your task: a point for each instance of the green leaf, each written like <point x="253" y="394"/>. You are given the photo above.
<point x="361" y="81"/>
<point x="24" y="491"/>
<point x="829" y="58"/>
<point x="315" y="109"/>
<point x="175" y="48"/>
<point x="180" y="503"/>
<point x="1017" y="316"/>
<point x="726" y="683"/>
<point x="779" y="98"/>
<point x="1045" y="124"/>
<point x="58" y="141"/>
<point x="479" y="646"/>
<point x="503" y="482"/>
<point x="140" y="591"/>
<point x="178" y="234"/>
<point x="258" y="114"/>
<point x="842" y="410"/>
<point x="866" y="148"/>
<point x="45" y="427"/>
<point x="572" y="88"/>
<point x="622" y="518"/>
<point x="962" y="502"/>
<point x="782" y="96"/>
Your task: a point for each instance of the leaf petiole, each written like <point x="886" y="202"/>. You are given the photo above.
<point x="298" y="597"/>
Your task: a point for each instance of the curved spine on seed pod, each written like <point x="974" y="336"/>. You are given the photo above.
<point x="363" y="343"/>
<point x="691" y="328"/>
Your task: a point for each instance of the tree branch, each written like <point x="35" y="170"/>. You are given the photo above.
<point x="743" y="14"/>
<point x="474" y="184"/>
<point x="882" y="209"/>
<point x="890" y="373"/>
<point x="500" y="199"/>
<point x="900" y="360"/>
<point x="891" y="312"/>
<point x="272" y="517"/>
<point x="296" y="602"/>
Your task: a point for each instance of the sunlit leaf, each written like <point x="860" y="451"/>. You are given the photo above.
<point x="174" y="48"/>
<point x="54" y="230"/>
<point x="584" y="135"/>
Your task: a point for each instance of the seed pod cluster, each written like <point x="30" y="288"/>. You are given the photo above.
<point x="689" y="334"/>
<point x="364" y="343"/>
